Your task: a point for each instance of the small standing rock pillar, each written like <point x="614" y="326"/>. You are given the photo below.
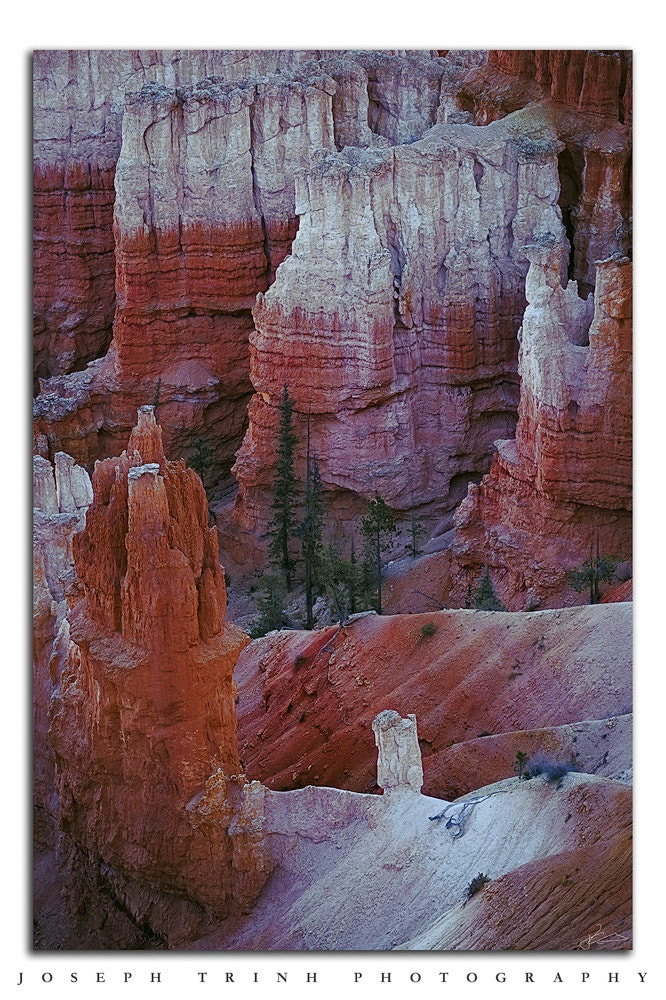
<point x="399" y="764"/>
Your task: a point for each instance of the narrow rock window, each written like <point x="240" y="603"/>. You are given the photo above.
<point x="570" y="189"/>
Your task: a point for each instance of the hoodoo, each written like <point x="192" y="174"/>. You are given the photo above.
<point x="143" y="722"/>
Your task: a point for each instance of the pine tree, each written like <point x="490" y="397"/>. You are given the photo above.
<point x="270" y="607"/>
<point x="201" y="460"/>
<point x="485" y="598"/>
<point x="341" y="580"/>
<point x="417" y="532"/>
<point x="378" y="527"/>
<point x="283" y="523"/>
<point x="311" y="529"/>
<point x="596" y="570"/>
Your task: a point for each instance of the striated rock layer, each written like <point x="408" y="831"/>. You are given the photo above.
<point x="151" y="801"/>
<point x="588" y="81"/>
<point x="203" y="148"/>
<point x="405" y="282"/>
<point x="394" y="319"/>
<point x="565" y="482"/>
<point x="77" y="118"/>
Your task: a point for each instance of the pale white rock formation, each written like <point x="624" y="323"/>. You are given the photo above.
<point x="78" y="94"/>
<point x="44" y="496"/>
<point x="73" y="487"/>
<point x="239" y="144"/>
<point x="60" y="503"/>
<point x="69" y="491"/>
<point x="394" y="319"/>
<point x="574" y="428"/>
<point x="554" y="335"/>
<point x="399" y="766"/>
<point x="59" y="507"/>
<point x="364" y="872"/>
<point x="159" y="182"/>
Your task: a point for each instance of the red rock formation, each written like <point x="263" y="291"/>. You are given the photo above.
<point x="566" y="479"/>
<point x="143" y="725"/>
<point x="73" y="265"/>
<point x="200" y="226"/>
<point x="394" y="319"/>
<point x="589" y="97"/>
<point x="585" y="81"/>
<point x="588" y="81"/>
<point x="77" y="101"/>
<point x="307" y="700"/>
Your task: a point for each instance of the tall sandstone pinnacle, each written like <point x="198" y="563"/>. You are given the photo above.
<point x="564" y="482"/>
<point x="143" y="724"/>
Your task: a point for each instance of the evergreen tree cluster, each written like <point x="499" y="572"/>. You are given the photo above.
<point x="349" y="585"/>
<point x="485" y="598"/>
<point x="594" y="571"/>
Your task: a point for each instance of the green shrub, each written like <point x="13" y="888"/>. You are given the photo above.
<point x="520" y="762"/>
<point x="485" y="598"/>
<point x="476" y="885"/>
<point x="541" y="764"/>
<point x="428" y="630"/>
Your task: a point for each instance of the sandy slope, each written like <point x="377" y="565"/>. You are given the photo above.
<point x="307" y="699"/>
<point x="359" y="872"/>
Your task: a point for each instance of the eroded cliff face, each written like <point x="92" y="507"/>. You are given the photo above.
<point x="148" y="781"/>
<point x="431" y="250"/>
<point x="564" y="482"/>
<point x="590" y="94"/>
<point x="394" y="320"/>
<point x="78" y="99"/>
<point x="397" y="307"/>
<point x="203" y="150"/>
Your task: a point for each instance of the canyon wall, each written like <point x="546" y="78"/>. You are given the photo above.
<point x="590" y="95"/>
<point x="362" y="210"/>
<point x="78" y="100"/>
<point x="589" y="81"/>
<point x="201" y="150"/>
<point x="143" y="263"/>
<point x="151" y="801"/>
<point x="432" y="250"/>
